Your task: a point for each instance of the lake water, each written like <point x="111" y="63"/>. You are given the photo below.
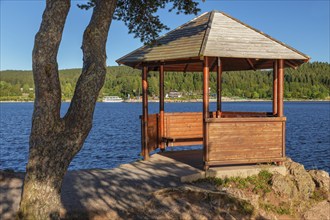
<point x="115" y="137"/>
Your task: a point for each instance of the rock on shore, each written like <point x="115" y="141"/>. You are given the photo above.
<point x="300" y="194"/>
<point x="152" y="190"/>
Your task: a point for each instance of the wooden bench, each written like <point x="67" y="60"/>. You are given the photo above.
<point x="183" y="129"/>
<point x="171" y="140"/>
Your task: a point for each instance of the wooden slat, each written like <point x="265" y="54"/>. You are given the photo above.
<point x="182" y="126"/>
<point x="244" y="161"/>
<point x="243" y="119"/>
<point x="234" y="139"/>
<point x="186" y="143"/>
<point x="153" y="133"/>
<point x="188" y="38"/>
<point x="231" y="38"/>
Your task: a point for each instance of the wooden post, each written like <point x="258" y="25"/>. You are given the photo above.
<point x="275" y="84"/>
<point x="145" y="151"/>
<point x="161" y="105"/>
<point x="206" y="76"/>
<point x="280" y="87"/>
<point x="219" y="75"/>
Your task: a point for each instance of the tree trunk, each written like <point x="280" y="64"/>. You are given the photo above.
<point x="54" y="141"/>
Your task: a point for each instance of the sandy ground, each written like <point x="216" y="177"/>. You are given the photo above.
<point x="102" y="194"/>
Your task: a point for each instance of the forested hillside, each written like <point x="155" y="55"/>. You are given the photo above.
<point x="310" y="81"/>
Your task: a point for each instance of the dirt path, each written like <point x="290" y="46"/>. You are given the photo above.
<point x="103" y="194"/>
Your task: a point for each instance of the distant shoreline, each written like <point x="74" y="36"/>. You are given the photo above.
<point x="194" y="100"/>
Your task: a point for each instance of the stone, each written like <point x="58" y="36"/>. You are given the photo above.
<point x="321" y="211"/>
<point x="241" y="195"/>
<point x="320" y="178"/>
<point x="284" y="186"/>
<point x="302" y="179"/>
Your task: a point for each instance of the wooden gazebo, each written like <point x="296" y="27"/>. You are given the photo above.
<point x="214" y="41"/>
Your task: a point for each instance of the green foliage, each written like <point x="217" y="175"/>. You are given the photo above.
<point x="247" y="208"/>
<point x="259" y="184"/>
<point x="281" y="209"/>
<point x="141" y="16"/>
<point x="310" y="81"/>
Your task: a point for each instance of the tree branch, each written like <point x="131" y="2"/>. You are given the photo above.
<point x="90" y="82"/>
<point x="45" y="69"/>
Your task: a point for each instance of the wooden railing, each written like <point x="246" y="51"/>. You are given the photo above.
<point x="235" y="138"/>
<point x="183" y="129"/>
<point x="245" y="140"/>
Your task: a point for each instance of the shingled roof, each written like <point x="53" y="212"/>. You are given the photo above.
<point x="214" y="34"/>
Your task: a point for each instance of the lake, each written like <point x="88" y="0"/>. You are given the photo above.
<point x="115" y="137"/>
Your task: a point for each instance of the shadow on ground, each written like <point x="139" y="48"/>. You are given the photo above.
<point x="10" y="193"/>
<point x="120" y="191"/>
<point x="114" y="193"/>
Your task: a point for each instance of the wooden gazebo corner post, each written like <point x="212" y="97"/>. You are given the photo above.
<point x="280" y="87"/>
<point x="275" y="89"/>
<point x="145" y="151"/>
<point x="206" y="76"/>
<point x="161" y="107"/>
<point x="280" y="100"/>
<point x="219" y="87"/>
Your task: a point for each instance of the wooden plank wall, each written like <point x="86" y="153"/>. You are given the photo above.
<point x="184" y="125"/>
<point x="246" y="140"/>
<point x="153" y="132"/>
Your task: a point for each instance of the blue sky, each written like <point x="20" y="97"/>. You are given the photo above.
<point x="303" y="25"/>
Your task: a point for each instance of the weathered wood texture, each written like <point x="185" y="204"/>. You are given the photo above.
<point x="275" y="87"/>
<point x="206" y="106"/>
<point x="144" y="128"/>
<point x="184" y="41"/>
<point x="244" y="114"/>
<point x="246" y="140"/>
<point x="280" y="87"/>
<point x="219" y="89"/>
<point x="215" y="34"/>
<point x="161" y="105"/>
<point x="184" y="125"/>
<point x="230" y="37"/>
<point x="153" y="132"/>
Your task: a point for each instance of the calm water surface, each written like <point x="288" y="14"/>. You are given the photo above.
<point x="115" y="137"/>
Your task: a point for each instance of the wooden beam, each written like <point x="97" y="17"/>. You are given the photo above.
<point x="173" y="62"/>
<point x="275" y="84"/>
<point x="290" y="64"/>
<point x="145" y="150"/>
<point x="206" y="76"/>
<point x="137" y="65"/>
<point x="280" y="87"/>
<point x="250" y="63"/>
<point x="219" y="89"/>
<point x="161" y="105"/>
<point x="260" y="63"/>
<point x="214" y="64"/>
<point x="185" y="68"/>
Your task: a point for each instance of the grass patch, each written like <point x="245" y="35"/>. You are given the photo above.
<point x="260" y="184"/>
<point x="247" y="208"/>
<point x="319" y="195"/>
<point x="282" y="209"/>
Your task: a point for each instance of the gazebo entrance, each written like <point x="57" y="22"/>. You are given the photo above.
<point x="214" y="42"/>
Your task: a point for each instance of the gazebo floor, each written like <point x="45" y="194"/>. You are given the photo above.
<point x="194" y="158"/>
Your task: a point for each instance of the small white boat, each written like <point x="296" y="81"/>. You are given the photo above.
<point x="112" y="99"/>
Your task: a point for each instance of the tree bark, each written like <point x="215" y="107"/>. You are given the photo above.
<point x="54" y="141"/>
